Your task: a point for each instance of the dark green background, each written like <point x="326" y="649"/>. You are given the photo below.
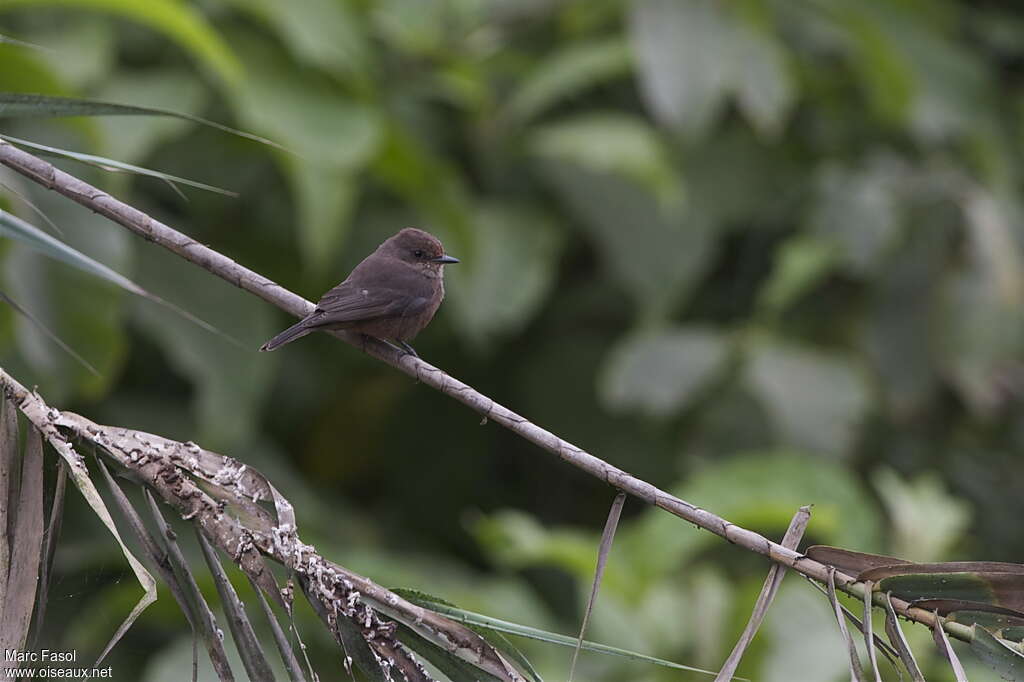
<point x="761" y="253"/>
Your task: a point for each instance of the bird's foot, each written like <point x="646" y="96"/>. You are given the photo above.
<point x="408" y="349"/>
<point x="400" y="346"/>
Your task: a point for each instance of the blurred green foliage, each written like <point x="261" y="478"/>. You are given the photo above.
<point x="762" y="253"/>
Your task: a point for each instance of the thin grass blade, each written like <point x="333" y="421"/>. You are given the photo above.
<point x="8" y="40"/>
<point x="505" y="646"/>
<point x="116" y="166"/>
<point x="48" y="333"/>
<point x="249" y="649"/>
<point x="506" y="627"/>
<point x="22" y="105"/>
<point x="899" y="641"/>
<point x="27" y="233"/>
<point x="16" y="228"/>
<point x="795" y="532"/>
<point x="611" y="523"/>
<point x="205" y="619"/>
<point x="35" y="209"/>
<point x="26" y="549"/>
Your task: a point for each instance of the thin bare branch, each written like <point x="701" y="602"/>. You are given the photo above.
<point x="157" y="232"/>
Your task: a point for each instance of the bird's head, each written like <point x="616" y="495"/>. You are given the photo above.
<point x="417" y="247"/>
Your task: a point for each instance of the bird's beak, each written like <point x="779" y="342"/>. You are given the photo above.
<point x="447" y="260"/>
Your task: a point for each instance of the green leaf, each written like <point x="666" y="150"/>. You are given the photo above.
<point x="322" y="33"/>
<point x="657" y="253"/>
<point x="801" y="263"/>
<point x="981" y="326"/>
<point x="956" y="94"/>
<point x="927" y="520"/>
<point x="879" y="63"/>
<point x="79" y="305"/>
<point x="325" y="199"/>
<point x="510" y="243"/>
<point x="427" y="27"/>
<point x="314" y="118"/>
<point x="14" y="227"/>
<point x="516" y="540"/>
<point x="567" y="73"/>
<point x="817" y="400"/>
<point x="228" y="381"/>
<point x="133" y="138"/>
<point x="30" y="105"/>
<point x="506" y="627"/>
<point x="683" y="53"/>
<point x="176" y="19"/>
<point x="425" y="179"/>
<point x="46" y="331"/>
<point x="858" y="212"/>
<point x="660" y="372"/>
<point x="81" y="52"/>
<point x="1006" y="658"/>
<point x="764" y="87"/>
<point x="333" y="136"/>
<point x="611" y="143"/>
<point x="27" y="71"/>
<point x="114" y="165"/>
<point x="757" y="490"/>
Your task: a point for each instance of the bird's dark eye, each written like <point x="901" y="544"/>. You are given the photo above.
<point x="418" y="253"/>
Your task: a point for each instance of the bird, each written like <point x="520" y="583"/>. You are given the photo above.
<point x="391" y="295"/>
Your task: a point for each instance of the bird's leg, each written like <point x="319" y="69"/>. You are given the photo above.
<point x="401" y="346"/>
<point x="408" y="349"/>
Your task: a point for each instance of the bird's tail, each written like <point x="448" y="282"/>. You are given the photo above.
<point x="296" y="331"/>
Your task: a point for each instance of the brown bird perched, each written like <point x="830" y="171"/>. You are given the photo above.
<point x="391" y="295"/>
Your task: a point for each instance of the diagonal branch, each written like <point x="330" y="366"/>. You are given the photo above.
<point x="153" y="230"/>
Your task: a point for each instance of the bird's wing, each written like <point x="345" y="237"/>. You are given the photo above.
<point x="351" y="303"/>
